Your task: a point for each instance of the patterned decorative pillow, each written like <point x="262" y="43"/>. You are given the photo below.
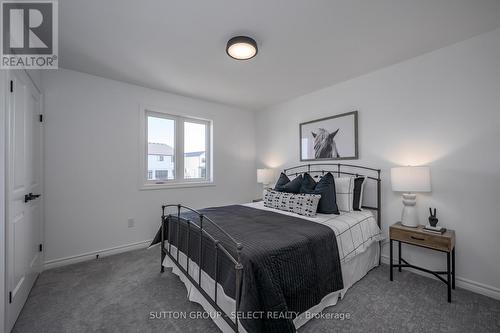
<point x="344" y="190"/>
<point x="302" y="204"/>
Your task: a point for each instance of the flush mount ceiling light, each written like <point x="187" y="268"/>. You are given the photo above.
<point x="241" y="48"/>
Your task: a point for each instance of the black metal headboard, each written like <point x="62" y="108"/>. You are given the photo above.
<point x="339" y="169"/>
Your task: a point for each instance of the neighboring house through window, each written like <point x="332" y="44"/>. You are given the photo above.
<point x="161" y="174"/>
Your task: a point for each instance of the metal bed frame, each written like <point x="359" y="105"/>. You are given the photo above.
<point x="167" y="220"/>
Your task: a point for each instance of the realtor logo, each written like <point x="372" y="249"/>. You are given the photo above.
<point x="29" y="35"/>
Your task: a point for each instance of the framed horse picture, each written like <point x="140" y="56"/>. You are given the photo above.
<point x="331" y="138"/>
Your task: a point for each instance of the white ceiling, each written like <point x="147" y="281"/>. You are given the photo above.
<point x="304" y="45"/>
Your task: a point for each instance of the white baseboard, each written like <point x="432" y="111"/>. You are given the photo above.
<point x="461" y="282"/>
<point x="92" y="255"/>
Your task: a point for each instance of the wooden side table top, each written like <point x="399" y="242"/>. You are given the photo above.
<point x="417" y="236"/>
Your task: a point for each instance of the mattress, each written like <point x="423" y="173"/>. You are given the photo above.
<point x="357" y="235"/>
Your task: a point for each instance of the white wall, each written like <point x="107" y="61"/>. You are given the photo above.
<point x="441" y="109"/>
<point x="92" y="159"/>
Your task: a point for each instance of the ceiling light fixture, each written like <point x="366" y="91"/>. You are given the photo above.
<point x="241" y="48"/>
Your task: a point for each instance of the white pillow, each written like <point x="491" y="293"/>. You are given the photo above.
<point x="344" y="192"/>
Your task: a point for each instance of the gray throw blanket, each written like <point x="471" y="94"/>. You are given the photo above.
<point x="289" y="264"/>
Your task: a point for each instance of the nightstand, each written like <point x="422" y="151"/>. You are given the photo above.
<point x="418" y="237"/>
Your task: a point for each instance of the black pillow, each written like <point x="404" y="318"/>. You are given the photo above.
<point x="308" y="184"/>
<point x="282" y="181"/>
<point x="358" y="192"/>
<point x="294" y="185"/>
<point x="326" y="188"/>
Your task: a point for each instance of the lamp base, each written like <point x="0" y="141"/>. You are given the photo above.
<point x="409" y="216"/>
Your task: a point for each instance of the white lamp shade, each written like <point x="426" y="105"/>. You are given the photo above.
<point x="411" y="179"/>
<point x="265" y="176"/>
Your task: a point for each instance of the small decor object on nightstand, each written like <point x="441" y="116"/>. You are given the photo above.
<point x="433" y="220"/>
<point x="432" y="226"/>
<point x="434" y="230"/>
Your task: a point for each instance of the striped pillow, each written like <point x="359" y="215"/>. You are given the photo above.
<point x="302" y="204"/>
<point x="344" y="190"/>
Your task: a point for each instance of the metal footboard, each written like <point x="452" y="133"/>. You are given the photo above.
<point x="167" y="222"/>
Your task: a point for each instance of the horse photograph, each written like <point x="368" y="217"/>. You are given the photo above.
<point x="331" y="138"/>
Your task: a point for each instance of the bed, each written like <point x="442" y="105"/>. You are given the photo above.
<point x="267" y="270"/>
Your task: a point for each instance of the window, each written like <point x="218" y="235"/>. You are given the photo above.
<point x="195" y="145"/>
<point x="177" y="149"/>
<point x="161" y="143"/>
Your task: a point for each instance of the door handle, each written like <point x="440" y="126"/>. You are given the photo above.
<point x="30" y="196"/>
<point x="34" y="196"/>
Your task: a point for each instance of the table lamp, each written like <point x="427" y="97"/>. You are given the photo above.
<point x="265" y="176"/>
<point x="410" y="180"/>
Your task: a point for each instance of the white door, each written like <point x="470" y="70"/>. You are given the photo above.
<point x="24" y="189"/>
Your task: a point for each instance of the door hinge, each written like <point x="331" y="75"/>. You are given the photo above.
<point x="40" y="247"/>
<point x="10" y="297"/>
<point x="11" y="86"/>
<point x="41" y="118"/>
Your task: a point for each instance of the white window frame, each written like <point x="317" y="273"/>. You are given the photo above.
<point x="178" y="148"/>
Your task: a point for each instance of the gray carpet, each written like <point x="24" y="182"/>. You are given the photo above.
<point x="117" y="294"/>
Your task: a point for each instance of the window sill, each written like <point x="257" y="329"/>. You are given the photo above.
<point x="146" y="187"/>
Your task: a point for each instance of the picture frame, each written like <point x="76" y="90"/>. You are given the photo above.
<point x="330" y="138"/>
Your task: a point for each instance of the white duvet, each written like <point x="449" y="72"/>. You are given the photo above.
<point x="355" y="231"/>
